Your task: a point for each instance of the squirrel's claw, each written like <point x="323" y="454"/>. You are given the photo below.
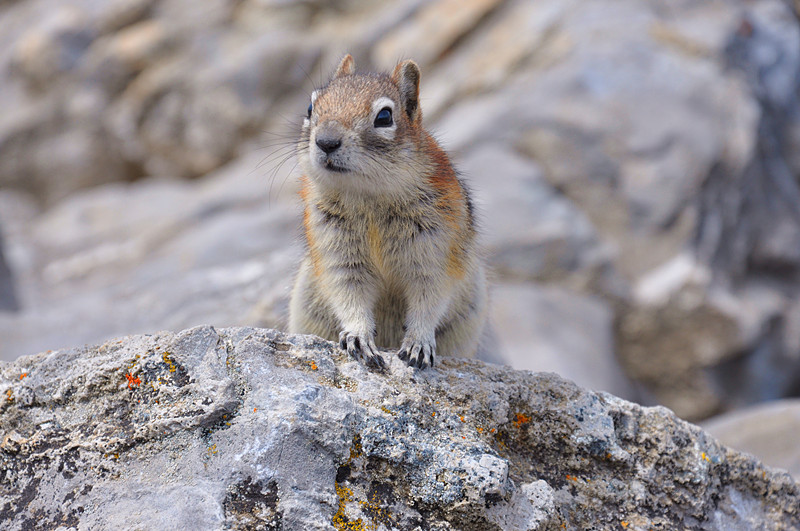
<point x="419" y="355"/>
<point x="362" y="348"/>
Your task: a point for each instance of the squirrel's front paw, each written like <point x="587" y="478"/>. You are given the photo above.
<point x="420" y="354"/>
<point x="362" y="348"/>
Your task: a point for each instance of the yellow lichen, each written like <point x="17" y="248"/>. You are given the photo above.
<point x="345" y="495"/>
<point x="166" y="358"/>
<point x="339" y="519"/>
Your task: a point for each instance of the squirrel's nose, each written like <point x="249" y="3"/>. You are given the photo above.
<point x="329" y="144"/>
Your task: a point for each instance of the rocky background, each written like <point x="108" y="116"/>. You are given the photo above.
<point x="636" y="165"/>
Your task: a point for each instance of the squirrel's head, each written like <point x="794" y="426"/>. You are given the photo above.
<point x="362" y="129"/>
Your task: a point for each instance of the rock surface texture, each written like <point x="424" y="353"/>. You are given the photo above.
<point x="640" y="158"/>
<point x="248" y="428"/>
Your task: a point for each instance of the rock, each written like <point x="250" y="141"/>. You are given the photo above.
<point x="530" y="231"/>
<point x="552" y="329"/>
<point x="115" y="60"/>
<point x="767" y="431"/>
<point x="44" y="54"/>
<point x="253" y="428"/>
<point x="671" y="159"/>
<point x="8" y="297"/>
<point x="156" y="253"/>
<point x="432" y="31"/>
<point x="117" y="14"/>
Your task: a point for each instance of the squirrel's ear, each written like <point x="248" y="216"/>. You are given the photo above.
<point x="346" y="67"/>
<point x="406" y="77"/>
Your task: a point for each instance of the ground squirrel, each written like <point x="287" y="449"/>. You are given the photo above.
<point x="391" y="256"/>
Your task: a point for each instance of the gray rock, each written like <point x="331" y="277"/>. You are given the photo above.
<point x="767" y="431"/>
<point x="8" y="297"/>
<point x="552" y="329"/>
<point x="251" y="428"/>
<point x="154" y="254"/>
<point x="668" y="155"/>
<point x="530" y="231"/>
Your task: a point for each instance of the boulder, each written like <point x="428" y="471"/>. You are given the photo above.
<point x="8" y="297"/>
<point x="158" y="253"/>
<point x="249" y="428"/>
<point x="768" y="431"/>
<point x="552" y="329"/>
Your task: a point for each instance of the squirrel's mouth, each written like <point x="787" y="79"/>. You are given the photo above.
<point x="332" y="166"/>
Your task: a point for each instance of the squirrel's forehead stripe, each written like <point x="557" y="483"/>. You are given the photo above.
<point x="338" y="99"/>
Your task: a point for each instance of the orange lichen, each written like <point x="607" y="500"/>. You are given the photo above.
<point x="313" y="366"/>
<point x="255" y="409"/>
<point x="10" y="395"/>
<point x="624" y="524"/>
<point x="704" y="456"/>
<point x="522" y="418"/>
<point x="462" y="418"/>
<point x="23" y="375"/>
<point x="433" y="414"/>
<point x="133" y="381"/>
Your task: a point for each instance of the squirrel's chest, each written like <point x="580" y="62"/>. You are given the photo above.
<point x="386" y="239"/>
<point x="389" y="242"/>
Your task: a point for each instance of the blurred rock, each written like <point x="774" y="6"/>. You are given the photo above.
<point x="767" y="431"/>
<point x="53" y="48"/>
<point x="115" y="60"/>
<point x="661" y="127"/>
<point x="553" y="330"/>
<point x="8" y="297"/>
<point x="531" y="232"/>
<point x="156" y="254"/>
<point x="117" y="14"/>
<point x="432" y="31"/>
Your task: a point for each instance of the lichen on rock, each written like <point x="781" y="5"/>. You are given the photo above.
<point x="248" y="428"/>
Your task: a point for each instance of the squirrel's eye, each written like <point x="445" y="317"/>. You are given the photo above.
<point x="310" y="108"/>
<point x="384" y="118"/>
